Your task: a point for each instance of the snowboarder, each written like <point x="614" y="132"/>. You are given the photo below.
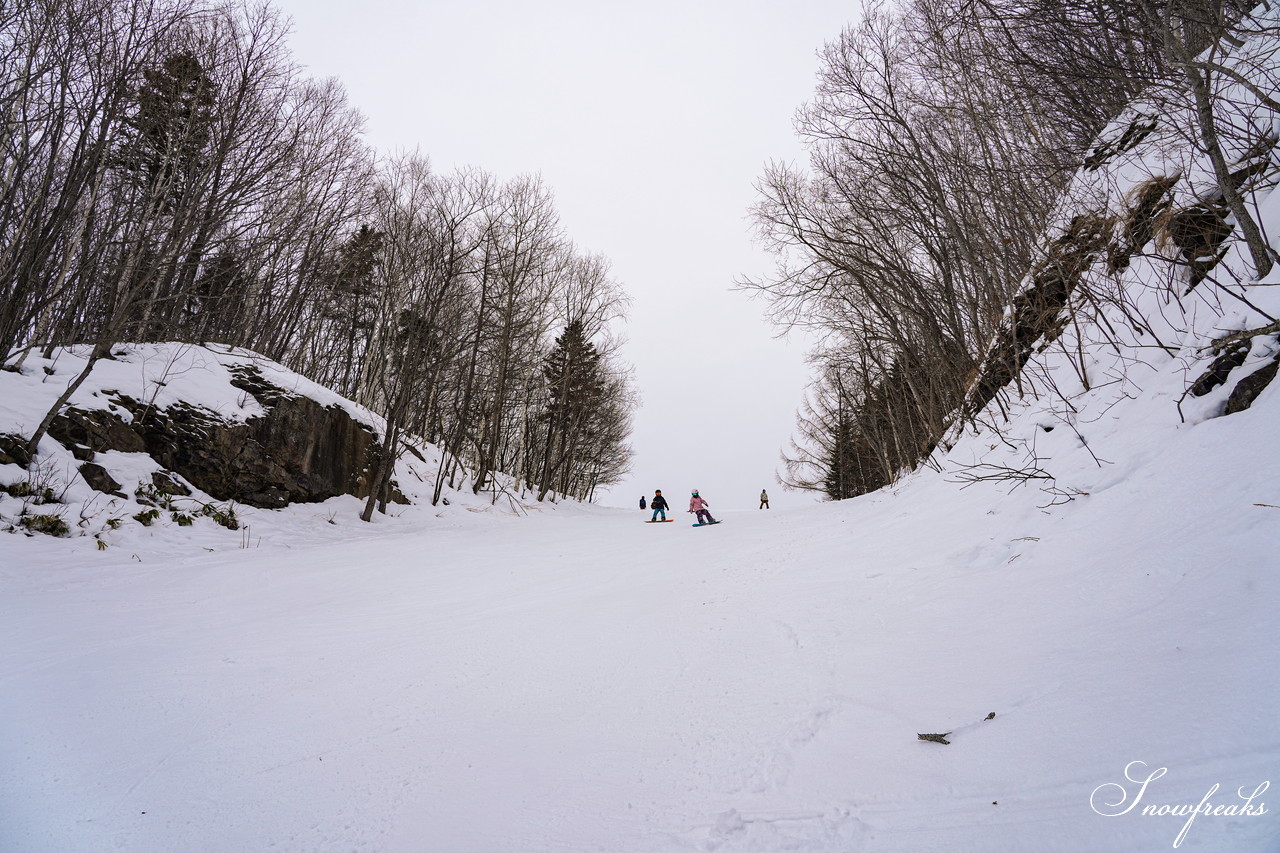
<point x="642" y="501"/>
<point x="701" y="508"/>
<point x="659" y="504"/>
<point x="764" y="499"/>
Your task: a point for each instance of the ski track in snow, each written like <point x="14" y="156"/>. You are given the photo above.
<point x="452" y="680"/>
<point x="582" y="681"/>
<point x="592" y="683"/>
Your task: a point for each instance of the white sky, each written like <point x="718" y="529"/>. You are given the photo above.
<point x="650" y="123"/>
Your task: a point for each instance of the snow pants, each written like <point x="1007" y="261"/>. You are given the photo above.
<point x="658" y="511"/>
<point x="708" y="518"/>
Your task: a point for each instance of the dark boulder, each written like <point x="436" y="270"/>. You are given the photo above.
<point x="1220" y="369"/>
<point x="98" y="478"/>
<point x="1248" y="388"/>
<point x="167" y="483"/>
<point x="13" y="450"/>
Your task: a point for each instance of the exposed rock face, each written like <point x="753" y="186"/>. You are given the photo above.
<point x="1199" y="232"/>
<point x="1248" y="389"/>
<point x="297" y="452"/>
<point x="85" y="433"/>
<point x="1148" y="202"/>
<point x="98" y="478"/>
<point x="1220" y="369"/>
<point x="1037" y="312"/>
<point x="1106" y="149"/>
<point x="13" y="450"/>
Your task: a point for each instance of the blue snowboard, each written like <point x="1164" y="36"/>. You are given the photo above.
<point x="707" y="523"/>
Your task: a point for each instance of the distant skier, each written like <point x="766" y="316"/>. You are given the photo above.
<point x="701" y="508"/>
<point x="764" y="499"/>
<point x="642" y="501"/>
<point x="659" y="504"/>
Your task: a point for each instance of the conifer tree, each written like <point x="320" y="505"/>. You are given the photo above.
<point x="162" y="158"/>
<point x="352" y="300"/>
<point x="841" y="480"/>
<point x="169" y="133"/>
<point x="576" y="389"/>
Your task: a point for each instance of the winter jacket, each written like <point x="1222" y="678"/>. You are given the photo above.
<point x="658" y="502"/>
<point x="696" y="503"/>
<point x="642" y="503"/>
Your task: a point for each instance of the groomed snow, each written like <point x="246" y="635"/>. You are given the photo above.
<point x="582" y="681"/>
<point x="570" y="679"/>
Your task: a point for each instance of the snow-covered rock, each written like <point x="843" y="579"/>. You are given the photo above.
<point x="174" y="441"/>
<point x="1079" y="597"/>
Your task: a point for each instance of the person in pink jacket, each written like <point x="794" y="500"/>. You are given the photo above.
<point x="702" y="508"/>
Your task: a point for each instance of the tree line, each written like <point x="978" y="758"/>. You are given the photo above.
<point x="942" y="136"/>
<point x="168" y="172"/>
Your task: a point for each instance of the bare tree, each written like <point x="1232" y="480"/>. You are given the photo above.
<point x="168" y="173"/>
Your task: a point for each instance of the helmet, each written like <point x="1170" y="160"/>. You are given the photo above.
<point x="657" y="491"/>
<point x="695" y="493"/>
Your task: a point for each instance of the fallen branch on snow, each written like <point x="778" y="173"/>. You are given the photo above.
<point x="941" y="737"/>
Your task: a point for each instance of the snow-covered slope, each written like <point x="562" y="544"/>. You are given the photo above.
<point x="582" y="681"/>
<point x="579" y="680"/>
<point x="164" y="375"/>
<point x="591" y="682"/>
<point x="1078" y="599"/>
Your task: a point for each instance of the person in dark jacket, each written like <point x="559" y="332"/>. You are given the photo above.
<point x="659" y="504"/>
<point x="642" y="501"/>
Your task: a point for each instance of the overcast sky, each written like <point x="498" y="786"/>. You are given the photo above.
<point x="650" y="123"/>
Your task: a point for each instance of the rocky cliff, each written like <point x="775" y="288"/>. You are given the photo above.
<point x="296" y="451"/>
<point x="175" y="432"/>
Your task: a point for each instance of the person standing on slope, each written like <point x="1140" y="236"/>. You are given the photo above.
<point x="764" y="499"/>
<point x="659" y="504"/>
<point x="642" y="501"/>
<point x="700" y="507"/>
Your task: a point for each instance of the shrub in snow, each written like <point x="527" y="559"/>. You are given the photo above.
<point x="38" y="494"/>
<point x="224" y="516"/>
<point x="53" y="525"/>
<point x="147" y="516"/>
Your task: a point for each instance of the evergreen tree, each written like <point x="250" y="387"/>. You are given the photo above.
<point x="576" y="389"/>
<point x="841" y="478"/>
<point x="166" y="157"/>
<point x="169" y="133"/>
<point x="352" y="300"/>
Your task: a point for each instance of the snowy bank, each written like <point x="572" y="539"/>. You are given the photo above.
<point x="205" y="446"/>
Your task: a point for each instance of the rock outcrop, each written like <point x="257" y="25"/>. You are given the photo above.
<point x="1248" y="388"/>
<point x="1038" y="313"/>
<point x="99" y="479"/>
<point x="298" y="451"/>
